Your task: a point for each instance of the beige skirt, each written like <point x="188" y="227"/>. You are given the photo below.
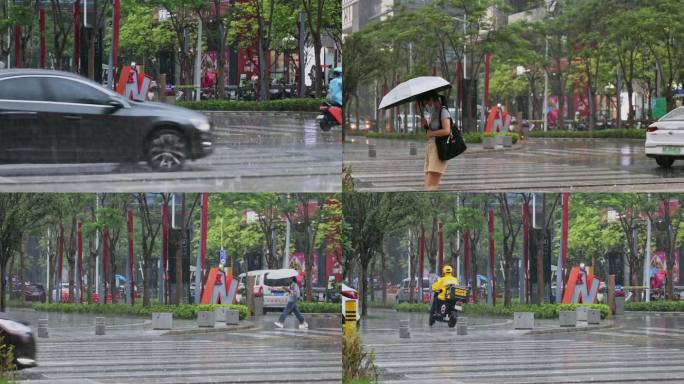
<point x="432" y="161"/>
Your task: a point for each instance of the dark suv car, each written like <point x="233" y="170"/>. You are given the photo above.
<point x="59" y="117"/>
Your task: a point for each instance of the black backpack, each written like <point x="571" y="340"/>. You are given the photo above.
<point x="452" y="145"/>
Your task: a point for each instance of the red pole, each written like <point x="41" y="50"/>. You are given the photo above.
<point x="115" y="32"/>
<point x="77" y="37"/>
<point x="526" y="247"/>
<point x="60" y="245"/>
<point x="440" y="233"/>
<point x="79" y="239"/>
<point x="203" y="239"/>
<point x="165" y="251"/>
<point x="41" y="23"/>
<point x="564" y="237"/>
<point x="131" y="266"/>
<point x="17" y="46"/>
<point x="491" y="254"/>
<point x="105" y="244"/>
<point x="466" y="256"/>
<point x="488" y="62"/>
<point x="421" y="244"/>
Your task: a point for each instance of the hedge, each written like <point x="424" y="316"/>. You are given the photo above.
<point x="597" y="134"/>
<point x="183" y="311"/>
<point x="544" y="311"/>
<point x="655" y="306"/>
<point x="469" y="137"/>
<point x="307" y="105"/>
<point x="314" y="307"/>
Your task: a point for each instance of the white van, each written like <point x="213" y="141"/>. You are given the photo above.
<point x="272" y="290"/>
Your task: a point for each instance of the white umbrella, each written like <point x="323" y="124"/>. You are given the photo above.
<point x="282" y="274"/>
<point x="410" y="89"/>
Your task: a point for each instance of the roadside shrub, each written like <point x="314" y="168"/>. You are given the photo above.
<point x="314" y="307"/>
<point x="597" y="134"/>
<point x="469" y="137"/>
<point x="302" y="104"/>
<point x="183" y="311"/>
<point x="655" y="306"/>
<point x="7" y="367"/>
<point x="544" y="311"/>
<point x="416" y="307"/>
<point x="378" y="304"/>
<point x="358" y="365"/>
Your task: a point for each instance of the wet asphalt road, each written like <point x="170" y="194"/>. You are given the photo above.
<point x="540" y="165"/>
<point x="638" y="348"/>
<point x="253" y="152"/>
<point x="132" y="353"/>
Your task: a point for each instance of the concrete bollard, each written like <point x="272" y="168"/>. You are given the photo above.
<point x="232" y="317"/>
<point x="619" y="305"/>
<point x="412" y="149"/>
<point x="206" y="319"/>
<point x="488" y="143"/>
<point x="523" y="320"/>
<point x="220" y="314"/>
<point x="42" y="328"/>
<point x="404" y="329"/>
<point x="582" y="313"/>
<point x="99" y="326"/>
<point x="504" y="141"/>
<point x="259" y="306"/>
<point x="567" y="318"/>
<point x="461" y="328"/>
<point x="162" y="320"/>
<point x="371" y="150"/>
<point x="593" y="317"/>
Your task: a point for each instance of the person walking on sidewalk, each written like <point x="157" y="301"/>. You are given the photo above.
<point x="436" y="120"/>
<point x="291" y="306"/>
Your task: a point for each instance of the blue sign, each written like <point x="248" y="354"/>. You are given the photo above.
<point x="222" y="256"/>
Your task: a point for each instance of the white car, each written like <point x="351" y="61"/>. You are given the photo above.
<point x="665" y="138"/>
<point x="272" y="290"/>
<point x="348" y="293"/>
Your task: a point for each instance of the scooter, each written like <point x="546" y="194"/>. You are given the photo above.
<point x="330" y="116"/>
<point x="447" y="310"/>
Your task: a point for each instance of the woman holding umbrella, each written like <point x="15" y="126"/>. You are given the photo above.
<point x="436" y="120"/>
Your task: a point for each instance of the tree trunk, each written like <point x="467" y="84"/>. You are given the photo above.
<point x="383" y="269"/>
<point x="146" y="262"/>
<point x="91" y="267"/>
<point x="364" y="285"/>
<point x="22" y="263"/>
<point x="507" y="277"/>
<point x="3" y="285"/>
<point x="473" y="270"/>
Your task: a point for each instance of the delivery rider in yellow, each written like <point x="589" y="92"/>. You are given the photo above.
<point x="439" y="285"/>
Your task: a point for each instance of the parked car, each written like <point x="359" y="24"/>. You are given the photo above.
<point x="665" y="138"/>
<point x="20" y="336"/>
<point x="34" y="292"/>
<point x="59" y="117"/>
<point x="403" y="295"/>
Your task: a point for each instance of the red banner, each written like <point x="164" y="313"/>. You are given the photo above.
<point x="41" y="23"/>
<point x="115" y="32"/>
<point x="203" y="239"/>
<point x="79" y="240"/>
<point x="131" y="264"/>
<point x="105" y="252"/>
<point x="491" y="254"/>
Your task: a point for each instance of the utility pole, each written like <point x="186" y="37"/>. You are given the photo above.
<point x="198" y="61"/>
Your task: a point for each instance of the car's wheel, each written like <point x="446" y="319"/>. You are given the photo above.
<point x="167" y="150"/>
<point x="664" y="162"/>
<point x="431" y="320"/>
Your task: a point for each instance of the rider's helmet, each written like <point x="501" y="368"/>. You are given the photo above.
<point x="447" y="270"/>
<point x="337" y="72"/>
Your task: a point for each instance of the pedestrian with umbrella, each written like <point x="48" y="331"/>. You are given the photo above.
<point x="435" y="119"/>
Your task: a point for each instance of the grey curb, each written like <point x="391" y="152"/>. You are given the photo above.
<point x="570" y="329"/>
<point x="193" y="331"/>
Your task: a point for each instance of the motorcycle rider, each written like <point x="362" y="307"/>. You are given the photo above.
<point x="438" y="287"/>
<point x="335" y="88"/>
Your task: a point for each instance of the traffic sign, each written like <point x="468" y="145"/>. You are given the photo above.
<point x="222" y="256"/>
